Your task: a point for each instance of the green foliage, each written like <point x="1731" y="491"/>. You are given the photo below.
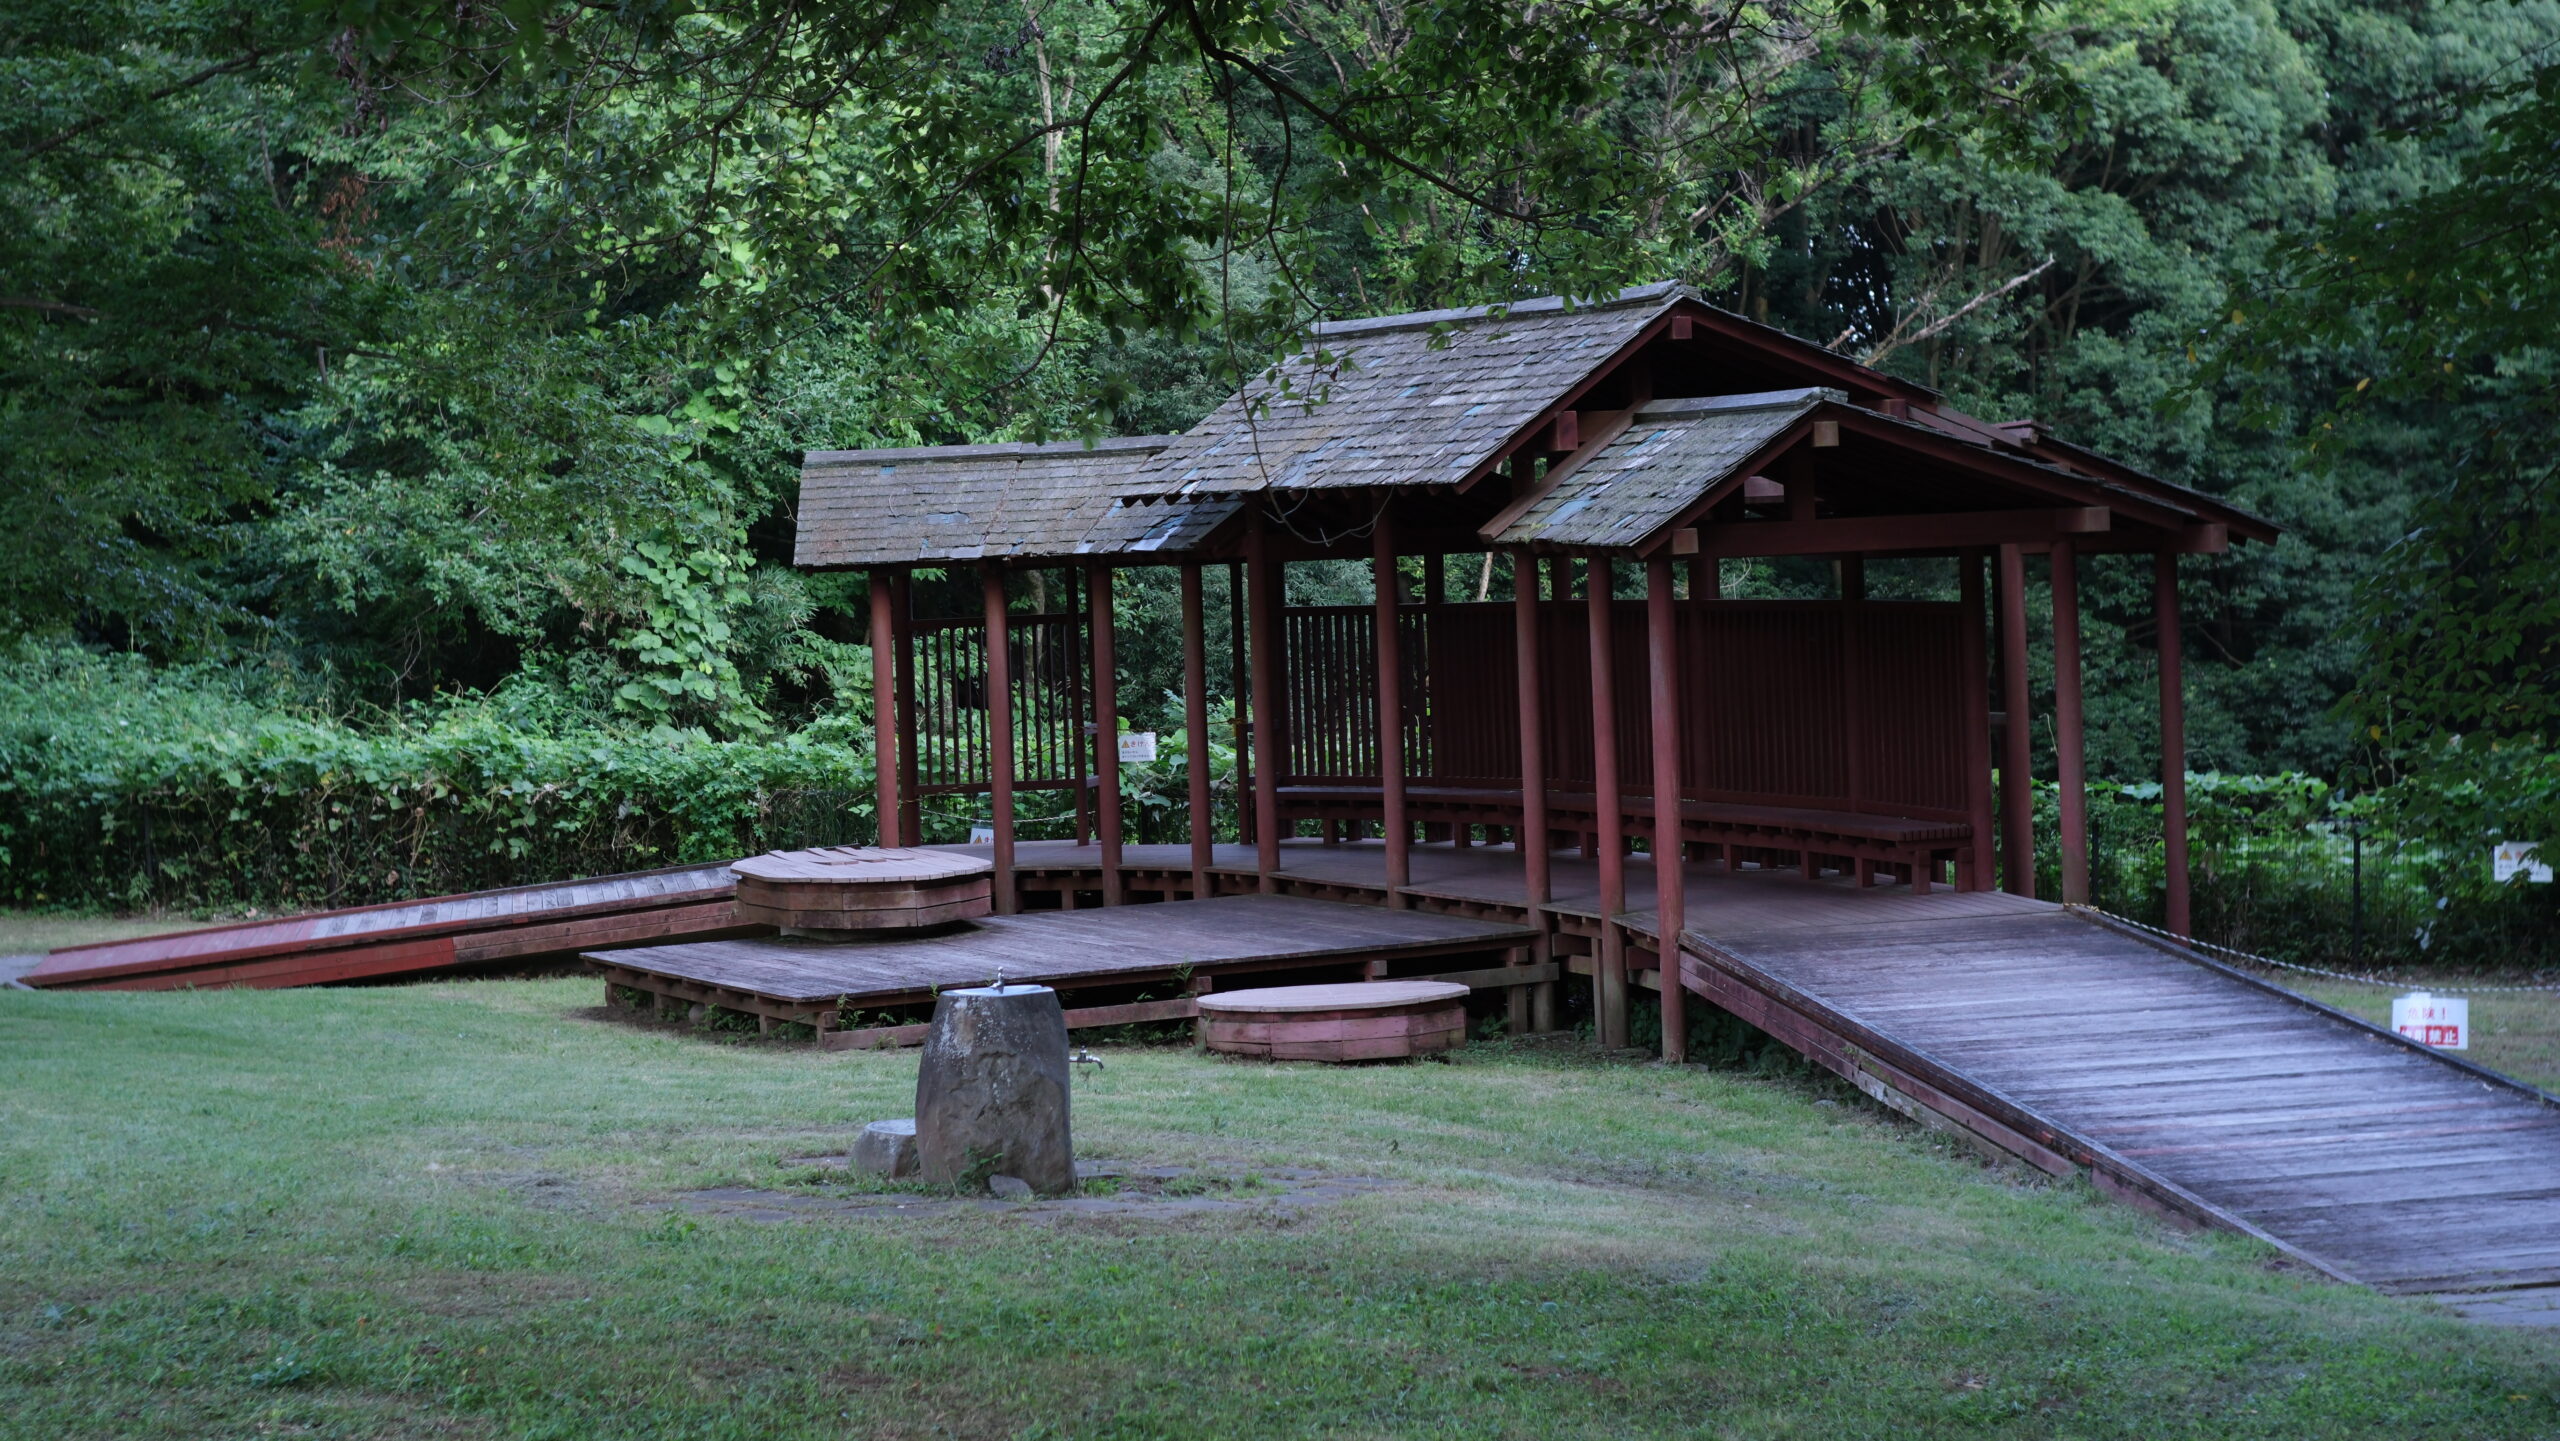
<point x="132" y="790"/>
<point x="2289" y="867"/>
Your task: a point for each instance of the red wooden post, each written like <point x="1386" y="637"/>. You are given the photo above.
<point x="1106" y="729"/>
<point x="1531" y="839"/>
<point x="884" y="706"/>
<point x="1706" y="578"/>
<point x="2068" y="759"/>
<point x="902" y="622"/>
<point x="2173" y="740"/>
<point x="1262" y="598"/>
<point x="1670" y="879"/>
<point x="999" y="641"/>
<point x="1611" y="979"/>
<point x="1977" y="874"/>
<point x="1390" y="659"/>
<point x="2017" y="786"/>
<point x="1195" y="724"/>
<point x="1852" y="577"/>
<point x="1242" y="709"/>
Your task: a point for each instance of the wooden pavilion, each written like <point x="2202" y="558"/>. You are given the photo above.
<point x="1647" y="435"/>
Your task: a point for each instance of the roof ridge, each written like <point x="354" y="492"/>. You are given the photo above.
<point x="1677" y="407"/>
<point x="1535" y="305"/>
<point x="1017" y="448"/>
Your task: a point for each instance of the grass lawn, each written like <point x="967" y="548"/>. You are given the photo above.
<point x="444" y="1210"/>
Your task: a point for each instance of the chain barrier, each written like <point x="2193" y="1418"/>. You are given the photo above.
<point x="2254" y="959"/>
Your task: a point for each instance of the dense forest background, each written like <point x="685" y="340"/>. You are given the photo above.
<point x="386" y="371"/>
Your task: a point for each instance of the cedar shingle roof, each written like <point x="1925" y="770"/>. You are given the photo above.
<point x="1673" y="453"/>
<point x="935" y="504"/>
<point x="1416" y="399"/>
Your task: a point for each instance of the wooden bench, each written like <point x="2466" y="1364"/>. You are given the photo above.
<point x="1912" y="847"/>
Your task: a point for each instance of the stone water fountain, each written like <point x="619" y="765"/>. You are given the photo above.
<point x="991" y="1098"/>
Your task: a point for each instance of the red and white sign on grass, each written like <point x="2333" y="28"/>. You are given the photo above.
<point x="2443" y="1022"/>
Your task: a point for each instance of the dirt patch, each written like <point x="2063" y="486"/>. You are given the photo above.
<point x="1123" y="1192"/>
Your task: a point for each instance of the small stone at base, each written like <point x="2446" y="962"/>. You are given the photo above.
<point x="1011" y="1188"/>
<point x="887" y="1149"/>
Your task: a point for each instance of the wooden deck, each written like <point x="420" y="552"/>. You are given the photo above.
<point x="2169" y="1080"/>
<point x="1192" y="943"/>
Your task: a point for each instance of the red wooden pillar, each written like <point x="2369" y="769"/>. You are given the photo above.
<point x="1107" y="820"/>
<point x="1670" y="878"/>
<point x="2017" y="785"/>
<point x="1611" y="976"/>
<point x="1262" y="599"/>
<point x="884" y="706"/>
<point x="1106" y="730"/>
<point x="999" y="641"/>
<point x="1195" y="723"/>
<point x="1706" y="578"/>
<point x="1977" y="875"/>
<point x="2173" y="740"/>
<point x="2069" y="774"/>
<point x="1390" y="655"/>
<point x="1242" y="709"/>
<point x="1531" y="839"/>
<point x="902" y="622"/>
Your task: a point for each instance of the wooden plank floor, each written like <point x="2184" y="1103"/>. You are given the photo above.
<point x="1065" y="948"/>
<point x="2388" y="1164"/>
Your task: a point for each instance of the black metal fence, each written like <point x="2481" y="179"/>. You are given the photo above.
<point x="2281" y="866"/>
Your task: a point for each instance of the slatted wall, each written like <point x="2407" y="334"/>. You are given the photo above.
<point x="1766" y="701"/>
<point x="1049" y="703"/>
<point x="1764" y="704"/>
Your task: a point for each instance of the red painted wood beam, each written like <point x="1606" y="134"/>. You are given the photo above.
<point x="1532" y="840"/>
<point x="1195" y="724"/>
<point x="2173" y="742"/>
<point x="1904" y="533"/>
<point x="902" y="623"/>
<point x="884" y="706"/>
<point x="2069" y="759"/>
<point x="1106" y="729"/>
<point x="2017" y="789"/>
<point x="1610" y="822"/>
<point x="999" y="643"/>
<point x="1389" y="645"/>
<point x="1977" y="723"/>
<point x="1670" y="876"/>
<point x="1262" y="600"/>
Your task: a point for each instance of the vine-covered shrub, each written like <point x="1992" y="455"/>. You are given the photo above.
<point x="122" y="786"/>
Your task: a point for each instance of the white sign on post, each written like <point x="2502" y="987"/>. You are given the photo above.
<point x="982" y="835"/>
<point x="2516" y="858"/>
<point x="1137" y="747"/>
<point x="2443" y="1022"/>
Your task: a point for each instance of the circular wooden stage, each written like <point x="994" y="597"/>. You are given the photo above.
<point x="860" y="890"/>
<point x="1361" y="1021"/>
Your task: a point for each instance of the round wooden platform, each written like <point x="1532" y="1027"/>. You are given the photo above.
<point x="1362" y="1021"/>
<point x="861" y="890"/>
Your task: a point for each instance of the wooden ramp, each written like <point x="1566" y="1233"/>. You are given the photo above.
<point x="1181" y="945"/>
<point x="520" y="923"/>
<point x="2169" y="1080"/>
<point x="2174" y="1081"/>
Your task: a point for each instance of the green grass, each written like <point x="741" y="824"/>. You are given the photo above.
<point x="440" y="1210"/>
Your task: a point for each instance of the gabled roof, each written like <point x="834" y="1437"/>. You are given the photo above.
<point x="1402" y="400"/>
<point x="935" y="504"/>
<point x="1670" y="455"/>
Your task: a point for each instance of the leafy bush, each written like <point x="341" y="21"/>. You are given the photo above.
<point x="123" y="786"/>
<point x="2277" y="863"/>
